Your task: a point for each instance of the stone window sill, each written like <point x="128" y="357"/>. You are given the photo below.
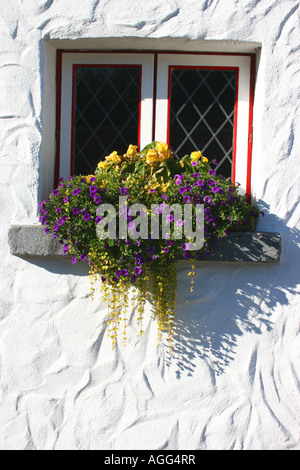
<point x="245" y="247"/>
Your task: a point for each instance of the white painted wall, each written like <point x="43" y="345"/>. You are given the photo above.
<point x="233" y="382"/>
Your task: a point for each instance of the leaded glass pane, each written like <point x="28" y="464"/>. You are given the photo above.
<point x="106" y="113"/>
<point x="202" y="112"/>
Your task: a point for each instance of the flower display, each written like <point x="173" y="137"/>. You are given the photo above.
<point x="133" y="248"/>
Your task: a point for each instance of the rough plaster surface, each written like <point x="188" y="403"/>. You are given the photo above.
<point x="233" y="382"/>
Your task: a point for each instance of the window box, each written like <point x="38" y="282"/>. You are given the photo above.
<point x="238" y="247"/>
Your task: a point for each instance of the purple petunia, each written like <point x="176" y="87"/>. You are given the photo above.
<point x="123" y="191"/>
<point x="86" y="217"/>
<point x="75" y="210"/>
<point x="76" y="191"/>
<point x="194" y="163"/>
<point x="74" y="260"/>
<point x="55" y="192"/>
<point x="180" y="223"/>
<point x="131" y="226"/>
<point x="138" y="270"/>
<point x="170" y="218"/>
<point x="207" y="199"/>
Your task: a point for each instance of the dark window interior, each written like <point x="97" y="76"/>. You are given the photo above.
<point x="202" y="114"/>
<point x="106" y="113"/>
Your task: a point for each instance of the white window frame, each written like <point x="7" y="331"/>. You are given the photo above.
<point x="154" y="106"/>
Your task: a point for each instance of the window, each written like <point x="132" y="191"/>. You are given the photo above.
<point x="109" y="100"/>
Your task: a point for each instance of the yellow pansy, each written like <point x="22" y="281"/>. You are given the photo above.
<point x="114" y="157"/>
<point x="103" y="165"/>
<point x="151" y="157"/>
<point x="88" y="177"/>
<point x="131" y="151"/>
<point x="196" y="155"/>
<point x="162" y="147"/>
<point x="163" y="151"/>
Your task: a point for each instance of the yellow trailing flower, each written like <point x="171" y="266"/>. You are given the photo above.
<point x="204" y="159"/>
<point x="164" y="187"/>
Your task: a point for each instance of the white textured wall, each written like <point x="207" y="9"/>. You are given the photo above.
<point x="233" y="382"/>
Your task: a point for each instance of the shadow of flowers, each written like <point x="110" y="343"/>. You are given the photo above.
<point x="231" y="300"/>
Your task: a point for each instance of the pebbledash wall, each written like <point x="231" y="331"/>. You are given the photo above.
<point x="233" y="381"/>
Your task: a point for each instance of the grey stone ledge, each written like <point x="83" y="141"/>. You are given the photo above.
<point x="246" y="247"/>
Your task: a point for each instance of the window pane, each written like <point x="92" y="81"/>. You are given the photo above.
<point x="202" y="114"/>
<point x="106" y="113"/>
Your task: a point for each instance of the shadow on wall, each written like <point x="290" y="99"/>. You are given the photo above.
<point x="230" y="301"/>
